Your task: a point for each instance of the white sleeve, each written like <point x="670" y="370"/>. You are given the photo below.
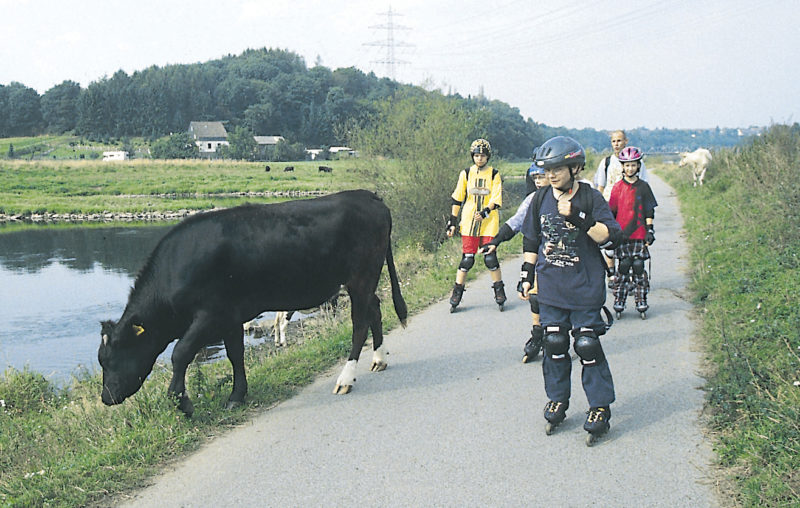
<point x="643" y="172"/>
<point x="515" y="222"/>
<point x="600" y="174"/>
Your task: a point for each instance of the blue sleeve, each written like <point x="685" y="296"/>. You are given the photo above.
<point x="515" y="222"/>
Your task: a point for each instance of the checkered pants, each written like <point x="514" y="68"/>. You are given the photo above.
<point x="630" y="282"/>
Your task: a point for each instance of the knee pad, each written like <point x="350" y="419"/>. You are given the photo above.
<point x="556" y="342"/>
<point x="467" y="260"/>
<point x="491" y="261"/>
<point x="638" y="266"/>
<point x="588" y="346"/>
<point x="534" y="301"/>
<point x="624" y="265"/>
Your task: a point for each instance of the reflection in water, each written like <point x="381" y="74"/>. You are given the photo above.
<point x="56" y="285"/>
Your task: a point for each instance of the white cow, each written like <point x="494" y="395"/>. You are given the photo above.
<point x="698" y="161"/>
<point x="279" y="325"/>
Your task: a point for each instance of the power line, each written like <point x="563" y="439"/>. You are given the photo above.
<point x="390" y="43"/>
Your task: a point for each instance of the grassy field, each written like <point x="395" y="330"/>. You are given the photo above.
<point x="743" y="233"/>
<point x="28" y="187"/>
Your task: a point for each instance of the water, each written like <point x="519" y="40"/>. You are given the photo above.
<point x="57" y="284"/>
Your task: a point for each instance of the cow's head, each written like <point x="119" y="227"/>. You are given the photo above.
<point x="127" y="356"/>
<point x="683" y="159"/>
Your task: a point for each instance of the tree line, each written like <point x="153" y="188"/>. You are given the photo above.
<point x="273" y="92"/>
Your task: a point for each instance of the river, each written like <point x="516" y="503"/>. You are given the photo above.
<point x="57" y="284"/>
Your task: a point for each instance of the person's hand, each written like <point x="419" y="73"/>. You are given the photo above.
<point x="581" y="219"/>
<point x="450" y="227"/>
<point x="478" y="217"/>
<point x="650" y="236"/>
<point x="526" y="287"/>
<point x="488" y="248"/>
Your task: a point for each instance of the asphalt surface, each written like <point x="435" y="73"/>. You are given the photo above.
<point x="456" y="419"/>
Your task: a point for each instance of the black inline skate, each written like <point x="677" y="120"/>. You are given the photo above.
<point x="455" y="298"/>
<point x="534" y="345"/>
<point x="618" y="308"/>
<point x="499" y="294"/>
<point x="597" y="423"/>
<point x="554" y="413"/>
<point x="642" y="307"/>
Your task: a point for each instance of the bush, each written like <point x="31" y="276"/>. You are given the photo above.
<point x="423" y="142"/>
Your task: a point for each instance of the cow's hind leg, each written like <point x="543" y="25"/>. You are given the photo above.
<point x="379" y="361"/>
<point x="359" y="311"/>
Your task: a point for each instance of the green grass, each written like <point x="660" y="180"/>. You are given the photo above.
<point x="28" y="187"/>
<point x="744" y="238"/>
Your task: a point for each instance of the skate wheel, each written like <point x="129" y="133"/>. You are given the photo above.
<point x="590" y="439"/>
<point x="643" y="315"/>
<point x="452" y="309"/>
<point x="549" y="428"/>
<point x="619" y="314"/>
<point x="526" y="359"/>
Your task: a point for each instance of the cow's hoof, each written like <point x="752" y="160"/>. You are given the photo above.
<point x="378" y="366"/>
<point x="233" y="404"/>
<point x="342" y="389"/>
<point x="186" y="406"/>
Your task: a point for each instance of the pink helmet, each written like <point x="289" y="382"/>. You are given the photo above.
<point x="630" y="154"/>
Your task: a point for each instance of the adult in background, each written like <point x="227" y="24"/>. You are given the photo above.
<point x="609" y="172"/>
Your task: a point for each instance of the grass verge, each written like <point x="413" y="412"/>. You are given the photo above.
<point x="744" y="239"/>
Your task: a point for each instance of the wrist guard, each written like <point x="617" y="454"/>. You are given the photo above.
<point x="451" y="222"/>
<point x="526" y="274"/>
<point x="485" y="212"/>
<point x="581" y="219"/>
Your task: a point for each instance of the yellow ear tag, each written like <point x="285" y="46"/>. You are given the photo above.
<point x="138" y="330"/>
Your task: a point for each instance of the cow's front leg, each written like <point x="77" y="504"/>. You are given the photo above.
<point x="234" y="347"/>
<point x="181" y="357"/>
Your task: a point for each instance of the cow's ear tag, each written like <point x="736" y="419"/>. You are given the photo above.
<point x="138" y="330"/>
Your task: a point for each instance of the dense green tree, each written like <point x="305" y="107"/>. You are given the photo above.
<point x="241" y="146"/>
<point x="21" y="111"/>
<point x="174" y="146"/>
<point x="60" y="106"/>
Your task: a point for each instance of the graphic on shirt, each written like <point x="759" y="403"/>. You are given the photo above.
<point x="559" y="239"/>
<point x="481" y="194"/>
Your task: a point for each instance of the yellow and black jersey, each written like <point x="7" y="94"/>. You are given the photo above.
<point x="478" y="189"/>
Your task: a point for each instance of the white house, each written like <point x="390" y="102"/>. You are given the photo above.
<point x="208" y="136"/>
<point x="116" y="155"/>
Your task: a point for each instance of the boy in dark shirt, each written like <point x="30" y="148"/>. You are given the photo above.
<point x="561" y="248"/>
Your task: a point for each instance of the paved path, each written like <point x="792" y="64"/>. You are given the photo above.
<point x="456" y="419"/>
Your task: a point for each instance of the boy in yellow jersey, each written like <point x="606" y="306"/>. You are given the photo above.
<point x="478" y="196"/>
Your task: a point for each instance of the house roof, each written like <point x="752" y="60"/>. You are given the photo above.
<point x="208" y="130"/>
<point x="268" y="140"/>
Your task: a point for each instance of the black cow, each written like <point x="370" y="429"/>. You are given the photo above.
<point x="267" y="169"/>
<point x="288" y="168"/>
<point x="214" y="271"/>
<point x="325" y="169"/>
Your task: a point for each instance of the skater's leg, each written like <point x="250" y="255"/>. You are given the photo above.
<point x="556" y="363"/>
<point x="621" y="283"/>
<point x="642" y="284"/>
<point x="596" y="376"/>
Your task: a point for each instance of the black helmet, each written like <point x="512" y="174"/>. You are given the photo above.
<point x="559" y="151"/>
<point x="480" y="145"/>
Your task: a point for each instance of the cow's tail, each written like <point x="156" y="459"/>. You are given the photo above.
<point x="397" y="297"/>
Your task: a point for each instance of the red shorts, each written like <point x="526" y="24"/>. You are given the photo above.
<point x="471" y="244"/>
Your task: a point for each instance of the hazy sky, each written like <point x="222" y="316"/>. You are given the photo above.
<point x="596" y="63"/>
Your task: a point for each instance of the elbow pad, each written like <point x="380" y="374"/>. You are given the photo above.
<point x="505" y="234"/>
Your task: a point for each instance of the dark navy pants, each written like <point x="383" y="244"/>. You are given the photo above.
<point x="596" y="378"/>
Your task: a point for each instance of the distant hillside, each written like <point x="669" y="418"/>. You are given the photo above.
<point x="273" y="92"/>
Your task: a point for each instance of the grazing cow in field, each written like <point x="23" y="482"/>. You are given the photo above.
<point x="216" y="270"/>
<point x="698" y="161"/>
<point x="288" y="168"/>
<point x="267" y="169"/>
<point x="325" y="169"/>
